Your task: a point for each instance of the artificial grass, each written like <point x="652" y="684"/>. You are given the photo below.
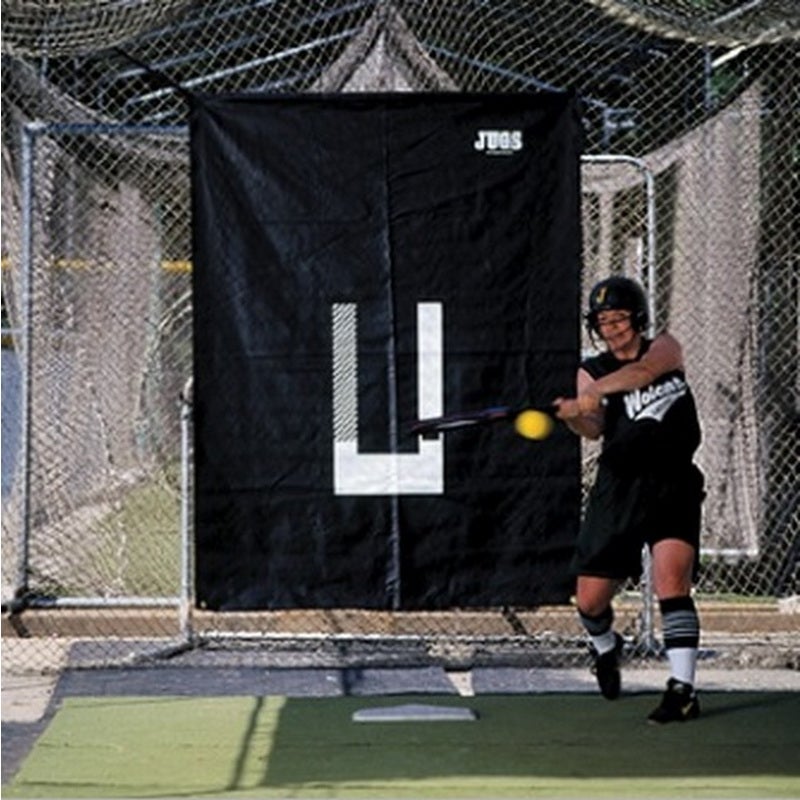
<point x="745" y="744"/>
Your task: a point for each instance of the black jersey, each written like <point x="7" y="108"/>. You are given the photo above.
<point x="654" y="429"/>
<point x="647" y="488"/>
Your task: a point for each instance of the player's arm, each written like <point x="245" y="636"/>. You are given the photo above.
<point x="664" y="355"/>
<point x="589" y="423"/>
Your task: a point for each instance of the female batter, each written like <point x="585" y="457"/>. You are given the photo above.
<point x="648" y="492"/>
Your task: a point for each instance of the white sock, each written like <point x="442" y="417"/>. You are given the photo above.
<point x="605" y="642"/>
<point x="683" y="663"/>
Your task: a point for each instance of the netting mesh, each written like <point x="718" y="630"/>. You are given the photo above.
<point x="698" y="104"/>
<point x="710" y="21"/>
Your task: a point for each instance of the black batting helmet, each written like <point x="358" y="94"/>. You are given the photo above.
<point x="618" y="292"/>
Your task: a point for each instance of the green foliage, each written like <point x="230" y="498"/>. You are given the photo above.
<point x="140" y="539"/>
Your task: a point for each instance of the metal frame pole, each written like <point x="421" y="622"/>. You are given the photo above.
<point x="30" y="132"/>
<point x="187" y="586"/>
<point x="22" y="597"/>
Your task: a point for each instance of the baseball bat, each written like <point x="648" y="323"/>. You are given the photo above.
<point x="468" y="419"/>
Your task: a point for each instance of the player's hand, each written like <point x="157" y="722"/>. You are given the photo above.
<point x="587" y="402"/>
<point x="566" y="408"/>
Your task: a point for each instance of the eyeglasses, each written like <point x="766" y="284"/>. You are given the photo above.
<point x="617" y="319"/>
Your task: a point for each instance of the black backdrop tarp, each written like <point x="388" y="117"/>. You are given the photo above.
<point x="379" y="203"/>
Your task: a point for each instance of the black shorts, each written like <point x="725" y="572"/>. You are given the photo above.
<point x="626" y="512"/>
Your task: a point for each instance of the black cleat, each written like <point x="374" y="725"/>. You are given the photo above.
<point x="606" y="670"/>
<point x="678" y="704"/>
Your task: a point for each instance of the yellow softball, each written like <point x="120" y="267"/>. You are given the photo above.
<point x="533" y="424"/>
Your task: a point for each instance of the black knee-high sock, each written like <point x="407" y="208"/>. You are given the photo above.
<point x="681" y="628"/>
<point x="599" y="629"/>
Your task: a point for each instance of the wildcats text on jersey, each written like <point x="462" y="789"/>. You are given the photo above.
<point x="655" y="400"/>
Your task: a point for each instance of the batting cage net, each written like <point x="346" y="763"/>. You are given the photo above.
<point x="689" y="183"/>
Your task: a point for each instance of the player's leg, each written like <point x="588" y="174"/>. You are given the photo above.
<point x="673" y="568"/>
<point x="593" y="597"/>
<point x="608" y="551"/>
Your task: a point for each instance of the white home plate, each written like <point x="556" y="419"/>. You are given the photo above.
<point x="415" y="712"/>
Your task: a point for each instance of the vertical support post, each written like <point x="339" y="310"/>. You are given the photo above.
<point x="187" y="587"/>
<point x="650" y="195"/>
<point x="648" y="610"/>
<point x="29" y="134"/>
<point x="648" y="605"/>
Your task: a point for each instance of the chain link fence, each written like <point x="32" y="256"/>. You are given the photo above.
<point x="689" y="181"/>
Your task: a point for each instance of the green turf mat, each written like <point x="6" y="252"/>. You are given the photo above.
<point x="553" y="745"/>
